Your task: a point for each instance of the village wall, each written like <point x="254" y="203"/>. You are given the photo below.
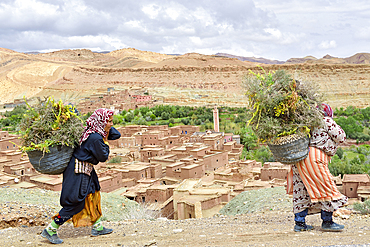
<point x="268" y="174"/>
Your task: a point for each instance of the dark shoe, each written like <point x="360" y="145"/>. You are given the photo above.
<point x="301" y="228"/>
<point x="102" y="232"/>
<point x="54" y="239"/>
<point x="331" y="226"/>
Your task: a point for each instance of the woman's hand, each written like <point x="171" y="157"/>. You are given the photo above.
<point x="105" y="139"/>
<point x="107" y="129"/>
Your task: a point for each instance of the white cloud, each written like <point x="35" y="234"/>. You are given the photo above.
<point x="363" y="33"/>
<point x="264" y="28"/>
<point x="152" y="10"/>
<point x="196" y="40"/>
<point x="173" y="13"/>
<point x="327" y="44"/>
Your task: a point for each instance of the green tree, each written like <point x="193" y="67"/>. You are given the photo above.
<point x="136" y="112"/>
<point x="339" y="166"/>
<point x="139" y="120"/>
<point x="263" y="154"/>
<point x="144" y="110"/>
<point x="356" y="166"/>
<point x="129" y="116"/>
<point x="18" y="110"/>
<point x="350" y="126"/>
<point x="118" y="119"/>
<point x="339" y="112"/>
<point x="248" y="138"/>
<point x="13" y="117"/>
<point x="340" y="152"/>
<point x="366" y="113"/>
<point x="185" y="121"/>
<point x="165" y="115"/>
<point x="351" y="111"/>
<point x="123" y="113"/>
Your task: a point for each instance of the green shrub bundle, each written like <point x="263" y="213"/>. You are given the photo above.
<point x="280" y="105"/>
<point x="49" y="123"/>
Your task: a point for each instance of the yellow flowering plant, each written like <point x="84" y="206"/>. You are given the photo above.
<point x="49" y="123"/>
<point x="280" y="105"/>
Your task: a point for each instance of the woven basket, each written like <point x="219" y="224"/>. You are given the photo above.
<point x="54" y="162"/>
<point x="291" y="151"/>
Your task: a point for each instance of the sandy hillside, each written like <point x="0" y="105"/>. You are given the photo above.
<point x="187" y="79"/>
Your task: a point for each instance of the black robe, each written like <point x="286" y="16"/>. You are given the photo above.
<point x="76" y="186"/>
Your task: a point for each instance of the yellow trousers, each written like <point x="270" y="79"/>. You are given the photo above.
<point x="90" y="213"/>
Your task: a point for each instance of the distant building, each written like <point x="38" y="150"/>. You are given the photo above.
<point x="356" y="186"/>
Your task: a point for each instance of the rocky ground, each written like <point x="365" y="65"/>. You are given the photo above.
<point x="266" y="220"/>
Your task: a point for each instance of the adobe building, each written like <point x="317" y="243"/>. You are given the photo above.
<point x="271" y="170"/>
<point x="151" y="137"/>
<point x="235" y="174"/>
<point x="216" y="141"/>
<point x="47" y="182"/>
<point x="115" y="100"/>
<point x="15" y="163"/>
<point x="8" y="179"/>
<point x="163" y="160"/>
<point x="353" y="183"/>
<point x="110" y="180"/>
<point x="215" y="159"/>
<point x="142" y="98"/>
<point x="123" y="142"/>
<point x="130" y="130"/>
<point x="139" y="170"/>
<point x="151" y="151"/>
<point x="184" y="129"/>
<point x="363" y="192"/>
<point x="235" y="150"/>
<point x="182" y="170"/>
<point x="192" y="200"/>
<point x="155" y="193"/>
<point x="8" y="141"/>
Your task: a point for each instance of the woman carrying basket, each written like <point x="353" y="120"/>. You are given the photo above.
<point x="310" y="181"/>
<point x="80" y="197"/>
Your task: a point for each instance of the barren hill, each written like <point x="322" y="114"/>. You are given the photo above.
<point x="251" y="59"/>
<point x="187" y="79"/>
<point x="359" y="58"/>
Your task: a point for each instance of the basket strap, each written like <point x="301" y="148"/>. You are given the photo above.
<point x="83" y="167"/>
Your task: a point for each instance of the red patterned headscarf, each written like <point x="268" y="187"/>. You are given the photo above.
<point x="96" y="123"/>
<point x="326" y="110"/>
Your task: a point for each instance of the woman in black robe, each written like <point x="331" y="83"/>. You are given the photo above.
<point x="80" y="197"/>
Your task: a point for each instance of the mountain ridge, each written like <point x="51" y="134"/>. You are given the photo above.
<point x="358" y="58"/>
<point x="73" y="75"/>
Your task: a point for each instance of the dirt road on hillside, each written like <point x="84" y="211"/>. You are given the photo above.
<point x="260" y="229"/>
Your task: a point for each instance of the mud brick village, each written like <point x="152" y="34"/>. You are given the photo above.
<point x="178" y="171"/>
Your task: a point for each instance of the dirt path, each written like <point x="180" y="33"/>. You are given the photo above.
<point x="262" y="229"/>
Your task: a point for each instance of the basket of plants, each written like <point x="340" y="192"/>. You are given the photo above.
<point x="49" y="132"/>
<point x="290" y="149"/>
<point x="283" y="110"/>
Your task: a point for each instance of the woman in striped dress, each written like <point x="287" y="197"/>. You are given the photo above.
<point x="310" y="181"/>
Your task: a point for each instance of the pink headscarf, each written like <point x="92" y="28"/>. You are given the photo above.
<point x="96" y="123"/>
<point x="326" y="110"/>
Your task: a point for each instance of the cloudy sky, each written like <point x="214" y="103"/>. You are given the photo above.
<point x="273" y="29"/>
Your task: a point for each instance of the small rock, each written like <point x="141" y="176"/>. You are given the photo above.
<point x="151" y="243"/>
<point x="162" y="218"/>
